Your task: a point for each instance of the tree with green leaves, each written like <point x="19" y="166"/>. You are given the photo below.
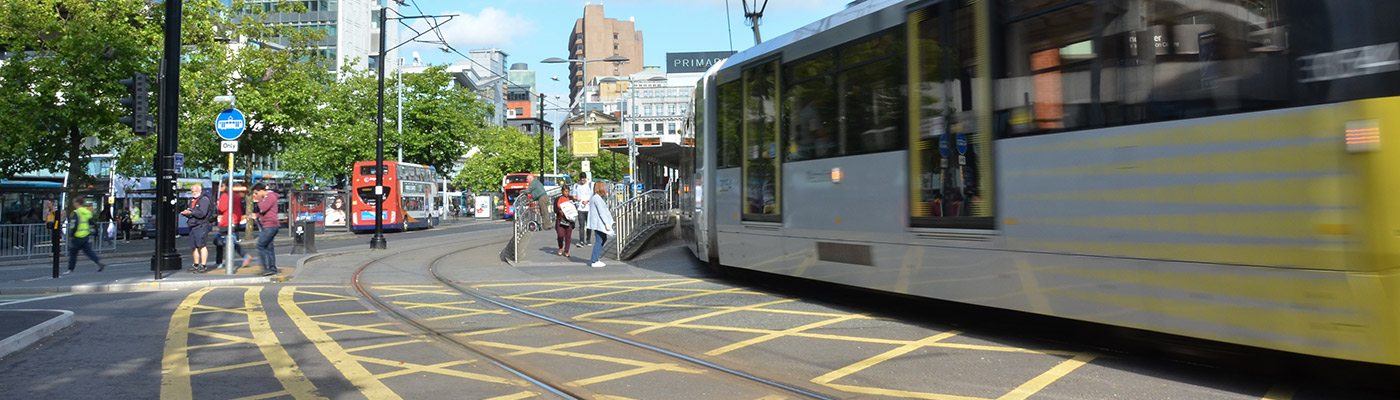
<point x="440" y="123"/>
<point x="59" y="79"/>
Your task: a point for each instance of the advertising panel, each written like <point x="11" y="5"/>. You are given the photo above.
<point x="586" y="142"/>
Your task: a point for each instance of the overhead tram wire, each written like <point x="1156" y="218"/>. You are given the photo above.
<point x="437" y="30"/>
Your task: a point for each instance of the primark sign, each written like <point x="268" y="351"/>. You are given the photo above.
<point x="694" y="62"/>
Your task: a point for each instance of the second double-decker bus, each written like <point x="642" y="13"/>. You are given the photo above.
<point x="513" y="185"/>
<point x="408" y="189"/>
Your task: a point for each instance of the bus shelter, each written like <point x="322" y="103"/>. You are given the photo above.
<point x="327" y="208"/>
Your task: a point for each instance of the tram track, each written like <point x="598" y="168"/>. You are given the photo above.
<point x="535" y="374"/>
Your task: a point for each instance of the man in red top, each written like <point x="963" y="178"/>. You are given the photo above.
<point x="225" y="215"/>
<point x="267" y="219"/>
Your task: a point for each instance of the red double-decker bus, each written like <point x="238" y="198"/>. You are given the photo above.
<point x="512" y="186"/>
<point x="409" y="190"/>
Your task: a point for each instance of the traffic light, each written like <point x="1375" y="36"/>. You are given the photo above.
<point x="140" y="121"/>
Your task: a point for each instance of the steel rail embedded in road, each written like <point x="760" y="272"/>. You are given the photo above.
<point x="763" y="381"/>
<point x="355" y="280"/>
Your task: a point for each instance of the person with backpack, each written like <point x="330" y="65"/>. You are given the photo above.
<point x="198" y="218"/>
<point x="566" y="216"/>
<point x="80" y="236"/>
<point x="227" y="214"/>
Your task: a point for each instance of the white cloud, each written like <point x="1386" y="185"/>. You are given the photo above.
<point x="489" y="28"/>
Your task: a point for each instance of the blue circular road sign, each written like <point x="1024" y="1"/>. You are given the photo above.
<point x="229" y="124"/>
<point x="962" y="144"/>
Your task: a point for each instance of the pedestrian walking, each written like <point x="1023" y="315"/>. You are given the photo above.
<point x="565" y="217"/>
<point x="138" y="221"/>
<point x="124" y="221"/>
<point x="583" y="192"/>
<point x="198" y="217"/>
<point x="601" y="223"/>
<point x="267" y="220"/>
<point x="80" y="236"/>
<point x="229" y="212"/>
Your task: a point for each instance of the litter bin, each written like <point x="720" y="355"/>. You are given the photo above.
<point x="304" y="237"/>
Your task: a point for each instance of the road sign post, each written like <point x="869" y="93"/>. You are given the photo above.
<point x="229" y="125"/>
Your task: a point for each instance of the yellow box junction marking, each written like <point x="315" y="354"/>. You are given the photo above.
<point x="350" y="365"/>
<point x="175" y="363"/>
<point x="1076" y="359"/>
<point x="639" y="367"/>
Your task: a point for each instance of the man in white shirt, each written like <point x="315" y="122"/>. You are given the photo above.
<point x="583" y="191"/>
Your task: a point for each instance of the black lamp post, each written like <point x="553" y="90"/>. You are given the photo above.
<point x="378" y="241"/>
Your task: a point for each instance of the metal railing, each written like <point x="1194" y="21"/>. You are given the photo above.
<point x="529" y="216"/>
<point x="635" y="218"/>
<point x="35" y="240"/>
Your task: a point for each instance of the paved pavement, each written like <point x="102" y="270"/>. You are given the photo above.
<point x="128" y="270"/>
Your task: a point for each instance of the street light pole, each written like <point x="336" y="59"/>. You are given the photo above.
<point x="632" y="139"/>
<point x="378" y="241"/>
<point x="540" y="132"/>
<point x="584" y="85"/>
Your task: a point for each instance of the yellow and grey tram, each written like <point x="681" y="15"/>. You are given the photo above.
<point x="1217" y="169"/>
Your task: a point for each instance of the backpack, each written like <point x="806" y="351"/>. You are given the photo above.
<point x="568" y="210"/>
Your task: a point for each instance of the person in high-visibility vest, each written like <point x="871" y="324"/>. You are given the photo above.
<point x="80" y="233"/>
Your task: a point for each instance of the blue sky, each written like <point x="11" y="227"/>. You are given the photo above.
<point x="533" y="30"/>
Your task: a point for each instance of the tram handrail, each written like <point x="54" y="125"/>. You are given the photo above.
<point x="635" y="216"/>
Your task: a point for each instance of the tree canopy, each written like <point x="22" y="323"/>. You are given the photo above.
<point x="60" y="63"/>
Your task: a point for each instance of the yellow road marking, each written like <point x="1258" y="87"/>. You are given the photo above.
<point x="412" y="290"/>
<point x="505" y="329"/>
<point x="775" y="335"/>
<point x="215" y="310"/>
<point x="265" y="396"/>
<point x="624" y="374"/>
<point x="772" y="397"/>
<point x="175" y="363"/>
<point x="882" y="357"/>
<point x="348" y="366"/>
<point x="1040" y="382"/>
<point x="652" y="303"/>
<point x="517" y="396"/>
<point x="898" y="393"/>
<point x="616" y="292"/>
<point x="221" y="336"/>
<point x="575" y="283"/>
<point x="175" y="369"/>
<point x="727" y="310"/>
<point x="767" y="310"/>
<point x="594" y="357"/>
<point x="283" y="367"/>
<point x="414" y="305"/>
<point x="229" y="367"/>
<point x="231" y="324"/>
<point x="383" y="345"/>
<point x="368" y="328"/>
<point x="1281" y="392"/>
<point x="553" y="347"/>
<point x="341" y="314"/>
<point x="440" y="369"/>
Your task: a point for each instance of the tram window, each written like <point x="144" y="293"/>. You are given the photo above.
<point x="699" y="127"/>
<point x="1149" y="60"/>
<point x="811" y="110"/>
<point x="762" y="182"/>
<point x="948" y="166"/>
<point x="872" y="95"/>
<point x="730" y="112"/>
